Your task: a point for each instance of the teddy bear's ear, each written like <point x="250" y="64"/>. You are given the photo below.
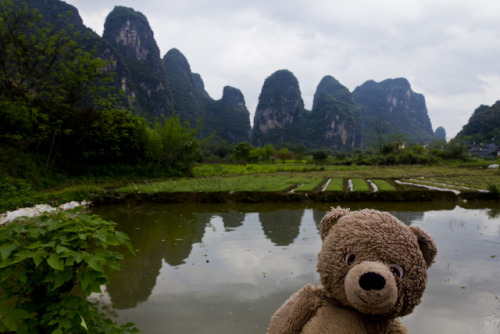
<point x="426" y="244"/>
<point x="331" y="219"/>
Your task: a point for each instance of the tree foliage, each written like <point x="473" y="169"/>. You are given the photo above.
<point x="483" y="126"/>
<point x="55" y="101"/>
<point x="59" y="106"/>
<point x="172" y="145"/>
<point x="242" y="152"/>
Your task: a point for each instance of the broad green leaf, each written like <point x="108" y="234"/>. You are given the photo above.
<point x="38" y="258"/>
<point x="96" y="263"/>
<point x="112" y="240"/>
<point x="122" y="237"/>
<point x="36" y="244"/>
<point x="6" y="250"/>
<point x="124" y="240"/>
<point x="49" y="244"/>
<point x="83" y="323"/>
<point x="12" y="317"/>
<point x="24" y="254"/>
<point x="55" y="262"/>
<point x="74" y="258"/>
<point x="62" y="249"/>
<point x="62" y="277"/>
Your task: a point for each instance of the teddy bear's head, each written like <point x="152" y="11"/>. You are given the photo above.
<point x="373" y="262"/>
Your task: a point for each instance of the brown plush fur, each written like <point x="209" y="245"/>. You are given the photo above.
<point x="373" y="269"/>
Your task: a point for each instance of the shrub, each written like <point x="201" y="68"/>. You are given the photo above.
<point x="48" y="267"/>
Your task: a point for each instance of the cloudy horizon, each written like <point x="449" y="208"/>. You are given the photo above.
<point x="448" y="50"/>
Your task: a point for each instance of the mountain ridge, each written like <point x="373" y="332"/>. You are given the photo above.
<point x="157" y="86"/>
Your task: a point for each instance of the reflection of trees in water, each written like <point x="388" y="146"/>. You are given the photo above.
<point x="282" y="226"/>
<point x="317" y="216"/>
<point x="232" y="219"/>
<point x="493" y="213"/>
<point x="156" y="235"/>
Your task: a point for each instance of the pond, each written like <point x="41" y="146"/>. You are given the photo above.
<point x="214" y="268"/>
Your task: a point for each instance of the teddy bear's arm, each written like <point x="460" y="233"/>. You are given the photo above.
<point x="296" y="311"/>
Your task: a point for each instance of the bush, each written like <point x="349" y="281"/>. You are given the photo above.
<point x="48" y="267"/>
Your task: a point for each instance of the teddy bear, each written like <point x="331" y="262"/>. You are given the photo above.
<point x="373" y="270"/>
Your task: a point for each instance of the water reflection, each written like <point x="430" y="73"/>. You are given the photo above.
<point x="227" y="268"/>
<point x="282" y="226"/>
<point x="157" y="234"/>
<point x="232" y="219"/>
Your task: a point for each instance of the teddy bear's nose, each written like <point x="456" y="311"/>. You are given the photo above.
<point x="372" y="281"/>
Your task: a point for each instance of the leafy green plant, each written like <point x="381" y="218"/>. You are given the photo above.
<point x="49" y="265"/>
<point x="494" y="189"/>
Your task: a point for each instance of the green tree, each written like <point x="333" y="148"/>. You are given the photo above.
<point x="320" y="157"/>
<point x="256" y="154"/>
<point x="268" y="151"/>
<point x="172" y="145"/>
<point x="242" y="152"/>
<point x="55" y="98"/>
<point x="284" y="154"/>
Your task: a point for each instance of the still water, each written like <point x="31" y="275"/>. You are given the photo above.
<point x="213" y="268"/>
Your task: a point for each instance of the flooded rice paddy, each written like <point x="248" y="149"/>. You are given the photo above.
<point x="219" y="268"/>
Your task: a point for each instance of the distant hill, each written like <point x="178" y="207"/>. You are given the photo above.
<point x="483" y="126"/>
<point x="392" y="106"/>
<point x="129" y="32"/>
<point x="440" y="133"/>
<point x="227" y="118"/>
<point x="339" y="120"/>
<point x="280" y="115"/>
<point x="155" y="86"/>
<point x="335" y="118"/>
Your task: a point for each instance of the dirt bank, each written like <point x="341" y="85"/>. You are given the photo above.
<point x="256" y="197"/>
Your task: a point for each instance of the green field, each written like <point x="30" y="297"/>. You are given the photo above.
<point x="229" y="183"/>
<point x="383" y="185"/>
<point x="336" y="184"/>
<point x="263" y="177"/>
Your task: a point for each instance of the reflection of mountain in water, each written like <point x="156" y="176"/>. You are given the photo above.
<point x="408" y="217"/>
<point x="317" y="216"/>
<point x="232" y="219"/>
<point x="282" y="226"/>
<point x="156" y="235"/>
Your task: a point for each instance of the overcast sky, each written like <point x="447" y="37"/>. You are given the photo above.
<point x="449" y="50"/>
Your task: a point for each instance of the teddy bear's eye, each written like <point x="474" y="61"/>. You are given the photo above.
<point x="350" y="258"/>
<point x="397" y="271"/>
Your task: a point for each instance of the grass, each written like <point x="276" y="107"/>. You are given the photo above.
<point x="360" y="185"/>
<point x="383" y="185"/>
<point x="15" y="193"/>
<point x="205" y="170"/>
<point x="336" y="184"/>
<point x="312" y="184"/>
<point x="463" y="182"/>
<point x="232" y="183"/>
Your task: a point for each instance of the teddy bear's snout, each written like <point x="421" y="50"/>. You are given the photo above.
<point x="372" y="281"/>
<point x="371" y="288"/>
